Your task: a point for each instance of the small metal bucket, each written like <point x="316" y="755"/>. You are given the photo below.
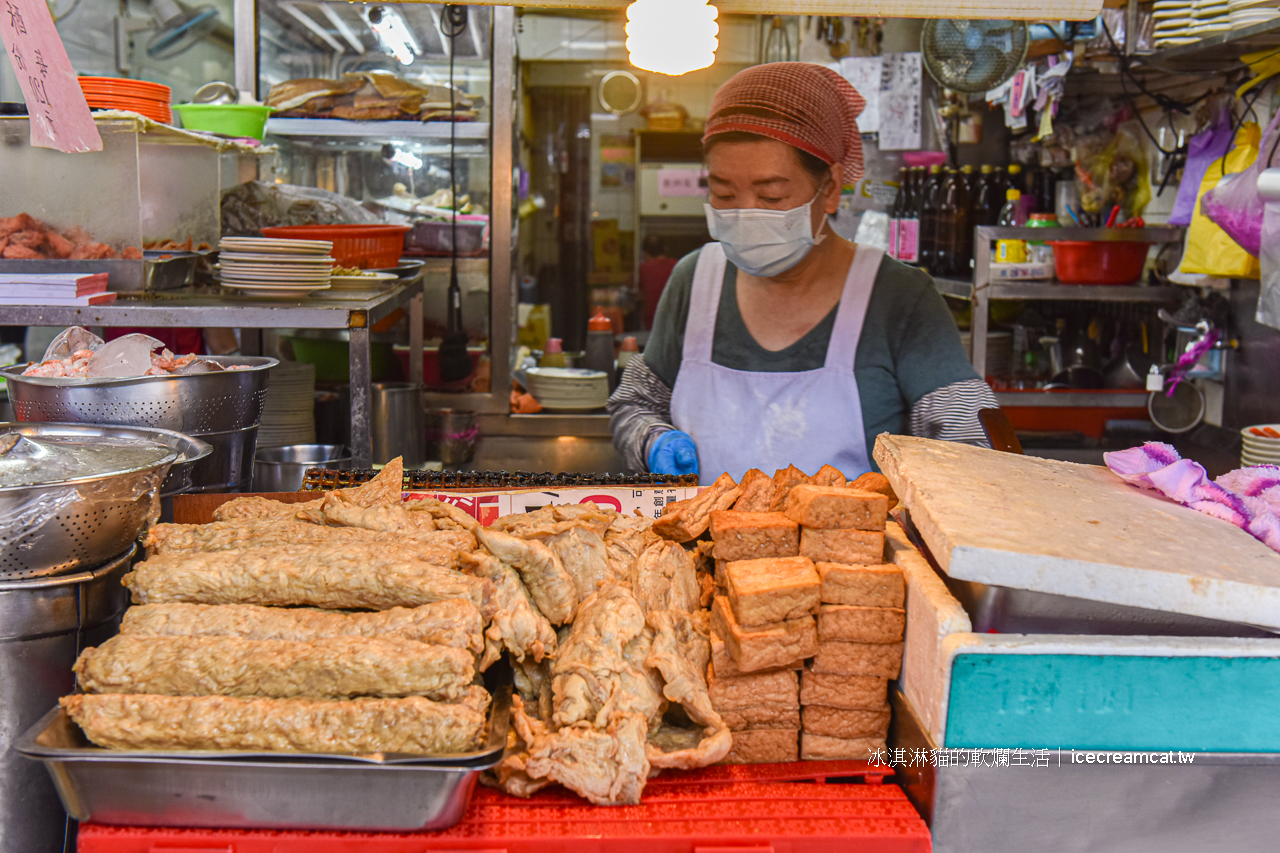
<point x="282" y="469"/>
<point x="451" y="436"/>
<point x="397" y="423"/>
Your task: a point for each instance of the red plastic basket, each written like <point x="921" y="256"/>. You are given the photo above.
<point x="738" y="807"/>
<point x="363" y="246"/>
<point x="1099" y="262"/>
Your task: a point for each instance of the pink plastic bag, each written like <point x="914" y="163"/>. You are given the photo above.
<point x="1235" y="205"/>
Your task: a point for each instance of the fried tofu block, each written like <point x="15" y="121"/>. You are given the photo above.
<point x="721" y="581"/>
<point x="784" y="480"/>
<point x="760" y="717"/>
<point x="822" y="748"/>
<point x="780" y="689"/>
<point x="752" y="535"/>
<point x="868" y="586"/>
<point x="846" y="722"/>
<point x="875" y="482"/>
<point x="842" y="658"/>
<point x="834" y="508"/>
<point x="688" y="519"/>
<point x="861" y="624"/>
<point x="769" y="647"/>
<point x="852" y="547"/>
<point x="757" y="492"/>
<point x="762" y="592"/>
<point x="764" y="746"/>
<point x="829" y="475"/>
<point x="725" y="666"/>
<point x="843" y="691"/>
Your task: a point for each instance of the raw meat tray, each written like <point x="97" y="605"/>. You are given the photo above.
<point x="728" y="809"/>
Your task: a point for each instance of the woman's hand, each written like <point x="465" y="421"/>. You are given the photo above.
<point x="673" y="453"/>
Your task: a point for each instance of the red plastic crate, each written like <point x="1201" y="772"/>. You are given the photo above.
<point x="729" y="809"/>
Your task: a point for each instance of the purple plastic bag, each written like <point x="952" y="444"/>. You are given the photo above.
<point x="1235" y="205"/>
<point x="1202" y="150"/>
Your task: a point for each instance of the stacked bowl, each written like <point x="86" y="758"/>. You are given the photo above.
<point x="138" y="96"/>
<point x="568" y="389"/>
<point x="1261" y="445"/>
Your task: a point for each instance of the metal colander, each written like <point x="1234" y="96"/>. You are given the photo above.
<point x="220" y="408"/>
<point x="82" y="515"/>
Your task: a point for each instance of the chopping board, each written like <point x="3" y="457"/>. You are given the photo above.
<point x="1077" y="530"/>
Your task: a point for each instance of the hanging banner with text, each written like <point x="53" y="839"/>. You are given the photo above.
<point x="60" y="117"/>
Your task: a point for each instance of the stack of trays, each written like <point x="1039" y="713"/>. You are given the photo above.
<point x="139" y="96"/>
<point x="1246" y="13"/>
<point x="262" y="267"/>
<point x="288" y="414"/>
<point x="1261" y="445"/>
<point x="999" y="351"/>
<point x="569" y="388"/>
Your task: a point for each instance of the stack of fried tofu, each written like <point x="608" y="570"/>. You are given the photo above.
<point x="807" y="626"/>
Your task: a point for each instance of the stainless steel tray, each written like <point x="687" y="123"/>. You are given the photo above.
<point x="1004" y="610"/>
<point x="247" y="790"/>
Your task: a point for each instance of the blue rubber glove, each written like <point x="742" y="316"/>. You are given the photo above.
<point x="673" y="453"/>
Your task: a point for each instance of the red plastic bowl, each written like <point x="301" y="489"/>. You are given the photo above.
<point x="1099" y="262"/>
<point x="363" y="246"/>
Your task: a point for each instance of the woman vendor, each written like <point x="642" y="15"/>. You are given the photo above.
<point x="783" y="343"/>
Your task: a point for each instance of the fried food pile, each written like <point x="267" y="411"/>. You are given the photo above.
<point x="25" y="238"/>
<point x="369" y="96"/>
<point x="241" y="640"/>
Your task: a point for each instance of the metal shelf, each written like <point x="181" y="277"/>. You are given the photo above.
<point x="1053" y="290"/>
<point x="1221" y="48"/>
<point x="1073" y="399"/>
<point x="203" y="309"/>
<point x="380" y="129"/>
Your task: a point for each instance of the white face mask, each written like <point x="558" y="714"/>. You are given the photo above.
<point x="764" y="243"/>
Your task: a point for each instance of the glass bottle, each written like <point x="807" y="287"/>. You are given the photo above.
<point x="1011" y="251"/>
<point x="929" y="218"/>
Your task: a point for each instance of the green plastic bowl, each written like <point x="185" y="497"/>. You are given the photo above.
<point x="228" y="119"/>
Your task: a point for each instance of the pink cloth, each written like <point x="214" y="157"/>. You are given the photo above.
<point x="1249" y="498"/>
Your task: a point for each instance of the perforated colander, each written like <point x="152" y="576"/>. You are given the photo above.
<point x="221" y="408"/>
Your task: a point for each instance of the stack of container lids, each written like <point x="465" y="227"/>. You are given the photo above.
<point x="1261" y="445"/>
<point x="1246" y="13"/>
<point x="138" y="96"/>
<point x="288" y="413"/>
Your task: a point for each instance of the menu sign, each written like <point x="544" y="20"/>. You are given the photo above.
<point x="60" y="117"/>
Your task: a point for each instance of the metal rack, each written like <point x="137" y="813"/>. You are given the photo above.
<point x="982" y="290"/>
<point x="185" y="308"/>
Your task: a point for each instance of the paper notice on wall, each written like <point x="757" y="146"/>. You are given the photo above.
<point x="900" y="95"/>
<point x="680" y="183"/>
<point x="60" y="116"/>
<point x="864" y="74"/>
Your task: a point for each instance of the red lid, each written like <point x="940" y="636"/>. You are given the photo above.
<point x="599" y="322"/>
<point x="629" y="345"/>
<point x="554" y="345"/>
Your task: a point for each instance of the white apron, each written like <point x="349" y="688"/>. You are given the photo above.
<point x="742" y="419"/>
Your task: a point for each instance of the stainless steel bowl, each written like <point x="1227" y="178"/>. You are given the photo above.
<point x="222" y="409"/>
<point x="76" y="522"/>
<point x="282" y="469"/>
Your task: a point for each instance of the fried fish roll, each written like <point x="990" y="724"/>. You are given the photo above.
<point x="415" y="725"/>
<point x="332" y="668"/>
<point x="383" y="490"/>
<point x="456" y="623"/>
<point x="439" y="547"/>
<point x="333" y="577"/>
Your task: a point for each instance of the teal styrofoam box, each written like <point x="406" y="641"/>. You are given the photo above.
<point x="1116" y="702"/>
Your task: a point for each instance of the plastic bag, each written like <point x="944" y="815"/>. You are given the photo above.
<point x="1235" y="205"/>
<point x="1202" y="150"/>
<point x="249" y="207"/>
<point x="1210" y="250"/>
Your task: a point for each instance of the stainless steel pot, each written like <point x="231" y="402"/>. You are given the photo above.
<point x="44" y="624"/>
<point x="282" y="469"/>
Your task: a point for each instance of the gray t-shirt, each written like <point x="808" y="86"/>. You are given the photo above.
<point x="909" y="345"/>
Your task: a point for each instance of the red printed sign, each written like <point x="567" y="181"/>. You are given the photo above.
<point x="59" y="115"/>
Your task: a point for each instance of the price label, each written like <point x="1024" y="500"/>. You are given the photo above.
<point x="60" y="116"/>
<point x="680" y="183"/>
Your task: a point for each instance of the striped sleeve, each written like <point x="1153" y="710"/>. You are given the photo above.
<point x="639" y="410"/>
<point x="951" y="412"/>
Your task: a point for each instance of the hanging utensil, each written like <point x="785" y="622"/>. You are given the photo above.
<point x="455" y="363"/>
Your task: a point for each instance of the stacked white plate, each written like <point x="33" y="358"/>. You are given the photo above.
<point x="288" y="414"/>
<point x="257" y="266"/>
<point x="1246" y="13"/>
<point x="569" y="389"/>
<point x="1261" y="445"/>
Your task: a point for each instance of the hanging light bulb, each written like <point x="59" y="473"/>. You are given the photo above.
<point x="671" y="36"/>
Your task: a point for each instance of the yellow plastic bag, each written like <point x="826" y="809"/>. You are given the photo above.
<point x="1210" y="251"/>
